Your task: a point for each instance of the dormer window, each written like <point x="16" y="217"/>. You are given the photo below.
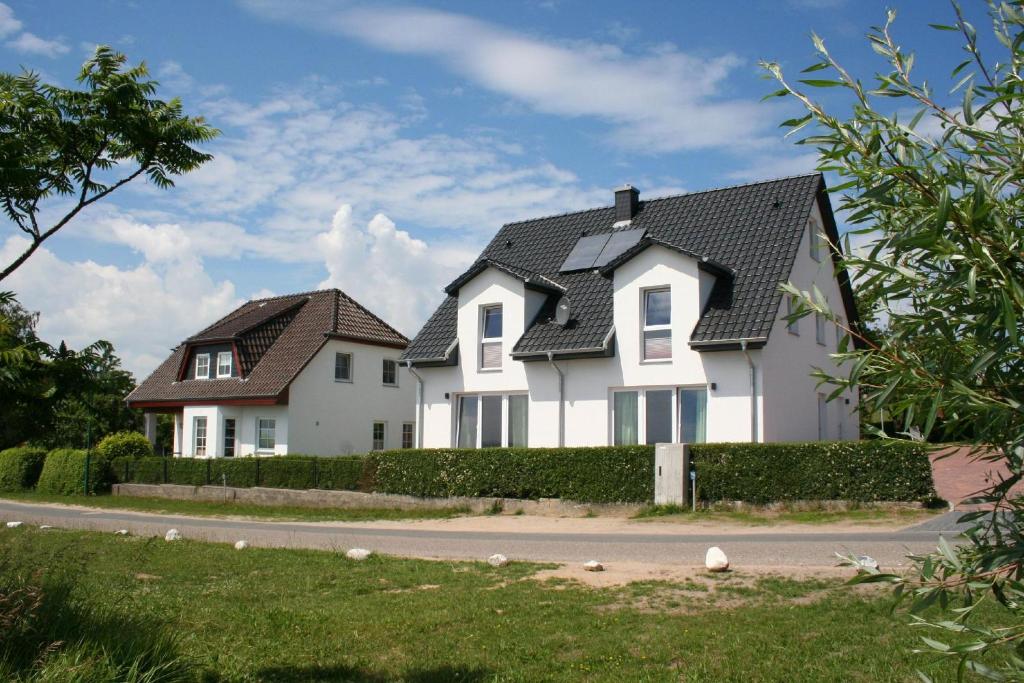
<point x="657" y="324"/>
<point x="224" y="360"/>
<point x="202" y="366"/>
<point x="490" y="338"/>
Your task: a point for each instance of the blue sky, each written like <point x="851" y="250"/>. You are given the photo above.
<point x="376" y="147"/>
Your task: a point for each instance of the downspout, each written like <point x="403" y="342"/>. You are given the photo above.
<point x="753" y="391"/>
<point x="419" y="403"/>
<point x="561" y="399"/>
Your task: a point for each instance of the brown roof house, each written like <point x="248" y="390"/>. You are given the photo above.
<point x="313" y="373"/>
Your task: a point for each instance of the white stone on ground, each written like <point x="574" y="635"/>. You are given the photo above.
<point x="45" y="526"/>
<point x="13" y="525"/>
<point x="593" y="566"/>
<point x="358" y="554"/>
<point x="242" y="545"/>
<point x="867" y="562"/>
<point x="716" y="560"/>
<point x="122" y="532"/>
<point x="172" y="535"/>
<point x="497" y="560"/>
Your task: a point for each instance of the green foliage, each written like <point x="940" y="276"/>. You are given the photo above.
<point x="596" y="475"/>
<point x="932" y="178"/>
<point x="64" y="469"/>
<point x="844" y="470"/>
<point x="342" y="473"/>
<point x="20" y="467"/>
<point x="60" y="144"/>
<point x="125" y="444"/>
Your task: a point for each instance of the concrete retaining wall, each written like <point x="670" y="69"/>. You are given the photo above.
<point x="316" y="498"/>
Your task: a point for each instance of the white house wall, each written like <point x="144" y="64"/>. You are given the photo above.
<point x="791" y="408"/>
<point x="329" y="417"/>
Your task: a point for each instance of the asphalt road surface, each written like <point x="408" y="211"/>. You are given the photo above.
<point x="761" y="548"/>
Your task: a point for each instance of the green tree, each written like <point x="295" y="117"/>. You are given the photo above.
<point x="59" y="143"/>
<point x="937" y="189"/>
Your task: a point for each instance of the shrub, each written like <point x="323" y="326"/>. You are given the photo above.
<point x="343" y="473"/>
<point x="290" y="472"/>
<point x="64" y="468"/>
<point x="125" y="444"/>
<point x="20" y="467"/>
<point x="844" y="470"/>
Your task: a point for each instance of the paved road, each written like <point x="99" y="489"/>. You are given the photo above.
<point x="764" y="548"/>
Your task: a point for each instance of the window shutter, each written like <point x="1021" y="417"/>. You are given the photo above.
<point x="490" y="355"/>
<point x="657" y="344"/>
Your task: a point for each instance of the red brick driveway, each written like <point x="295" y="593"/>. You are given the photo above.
<point x="958" y="476"/>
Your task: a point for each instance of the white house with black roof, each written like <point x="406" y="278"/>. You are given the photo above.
<point x="643" y="322"/>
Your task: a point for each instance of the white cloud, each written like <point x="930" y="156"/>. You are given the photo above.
<point x="395" y="275"/>
<point x="659" y="100"/>
<point x="171" y="75"/>
<point x="8" y="23"/>
<point x="30" y="43"/>
<point x="143" y="310"/>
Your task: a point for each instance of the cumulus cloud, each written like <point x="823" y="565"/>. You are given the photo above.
<point x="30" y="43"/>
<point x="8" y="23"/>
<point x="143" y="310"/>
<point x="386" y="269"/>
<point x="682" y="106"/>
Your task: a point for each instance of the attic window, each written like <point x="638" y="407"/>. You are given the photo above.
<point x="658" y="324"/>
<point x="203" y="366"/>
<point x="490" y="337"/>
<point x="224" y="364"/>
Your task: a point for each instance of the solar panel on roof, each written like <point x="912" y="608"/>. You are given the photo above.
<point x="620" y="242"/>
<point x="585" y="252"/>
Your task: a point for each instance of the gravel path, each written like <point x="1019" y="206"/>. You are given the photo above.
<point x="761" y="548"/>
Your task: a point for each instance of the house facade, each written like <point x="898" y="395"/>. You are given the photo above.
<point x="313" y="373"/>
<point x="644" y="322"/>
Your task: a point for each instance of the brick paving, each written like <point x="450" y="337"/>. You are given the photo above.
<point x="958" y="476"/>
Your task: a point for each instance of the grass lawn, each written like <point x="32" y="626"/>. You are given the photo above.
<point x="218" y="614"/>
<point x="895" y="516"/>
<point x="205" y="509"/>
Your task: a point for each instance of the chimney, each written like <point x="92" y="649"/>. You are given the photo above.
<point x="627" y="201"/>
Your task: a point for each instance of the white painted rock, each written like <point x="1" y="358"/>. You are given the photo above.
<point x="242" y="545"/>
<point x="124" y="532"/>
<point x="867" y="562"/>
<point x="172" y="535"/>
<point x="45" y="526"/>
<point x="13" y="525"/>
<point x="497" y="560"/>
<point x="716" y="560"/>
<point x="593" y="566"/>
<point x="358" y="554"/>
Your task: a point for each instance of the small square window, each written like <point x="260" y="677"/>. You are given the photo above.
<point x="203" y="366"/>
<point x="390" y="373"/>
<point x="408" y="434"/>
<point x="379" y="435"/>
<point x="343" y="367"/>
<point x="224" y="361"/>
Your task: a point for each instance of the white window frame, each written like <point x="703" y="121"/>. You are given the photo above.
<point x="793" y="327"/>
<point x="409" y="427"/>
<point x="351" y="369"/>
<point x="230" y="363"/>
<point x="384" y="435"/>
<point x="814" y="232"/>
<point x="197" y="449"/>
<point x="205" y="357"/>
<point x="645" y="328"/>
<point x="259" y="448"/>
<point x="457" y="412"/>
<point x="384" y="362"/>
<point x="819" y="329"/>
<point x="484" y="340"/>
<point x="641" y="410"/>
<point x="234" y="437"/>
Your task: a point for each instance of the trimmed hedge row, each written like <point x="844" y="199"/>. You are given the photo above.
<point x="843" y="470"/>
<point x="63" y="469"/>
<point x="594" y="475"/>
<point x="20" y="467"/>
<point x="285" y="472"/>
<point x="755" y="473"/>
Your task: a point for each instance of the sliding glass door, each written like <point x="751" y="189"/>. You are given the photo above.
<point x="659" y="415"/>
<point x="492" y="421"/>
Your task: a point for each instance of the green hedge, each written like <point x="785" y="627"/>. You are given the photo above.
<point x="845" y="470"/>
<point x="63" y="470"/>
<point x="596" y="475"/>
<point x="20" y="467"/>
<point x="124" y="445"/>
<point x="288" y="472"/>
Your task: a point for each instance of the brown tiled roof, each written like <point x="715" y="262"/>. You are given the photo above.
<point x="275" y="339"/>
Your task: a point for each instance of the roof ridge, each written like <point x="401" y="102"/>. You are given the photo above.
<point x="670" y="196"/>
